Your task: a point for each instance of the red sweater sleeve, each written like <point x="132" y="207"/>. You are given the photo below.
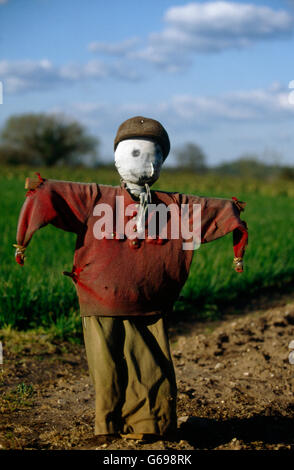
<point x="64" y="204"/>
<point x="219" y="217"/>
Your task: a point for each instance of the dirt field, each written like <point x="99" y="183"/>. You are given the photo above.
<point x="234" y="377"/>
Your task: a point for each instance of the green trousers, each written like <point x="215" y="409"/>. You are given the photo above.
<point x="133" y="375"/>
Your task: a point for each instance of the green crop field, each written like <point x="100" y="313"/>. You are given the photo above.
<point x="38" y="295"/>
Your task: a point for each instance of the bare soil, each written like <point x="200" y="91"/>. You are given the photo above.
<point x="235" y="387"/>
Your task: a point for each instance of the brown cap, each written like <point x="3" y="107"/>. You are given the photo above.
<point x="140" y="126"/>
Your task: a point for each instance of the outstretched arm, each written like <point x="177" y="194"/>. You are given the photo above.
<point x="64" y="204"/>
<point x="219" y="217"/>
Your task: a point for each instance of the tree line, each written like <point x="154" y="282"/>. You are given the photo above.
<point x="44" y="139"/>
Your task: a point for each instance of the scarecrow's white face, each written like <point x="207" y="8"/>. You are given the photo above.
<point x="138" y="160"/>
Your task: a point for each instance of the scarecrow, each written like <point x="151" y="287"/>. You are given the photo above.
<point x="126" y="279"/>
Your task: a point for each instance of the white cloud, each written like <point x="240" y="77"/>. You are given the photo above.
<point x="227" y="19"/>
<point x="239" y="106"/>
<point x="116" y="49"/>
<point x="92" y="69"/>
<point x="210" y="27"/>
<point x="226" y="125"/>
<point x="3" y="1"/>
<point x="213" y="27"/>
<point x="28" y="75"/>
<point x="180" y="111"/>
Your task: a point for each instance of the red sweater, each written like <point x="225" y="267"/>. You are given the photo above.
<point x="123" y="277"/>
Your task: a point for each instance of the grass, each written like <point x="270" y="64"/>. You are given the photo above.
<point x="20" y="397"/>
<point x="39" y="295"/>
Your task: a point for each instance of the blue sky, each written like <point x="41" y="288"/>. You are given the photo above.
<point x="215" y="73"/>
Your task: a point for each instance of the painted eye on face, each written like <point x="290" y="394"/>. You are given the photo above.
<point x="136" y="153"/>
